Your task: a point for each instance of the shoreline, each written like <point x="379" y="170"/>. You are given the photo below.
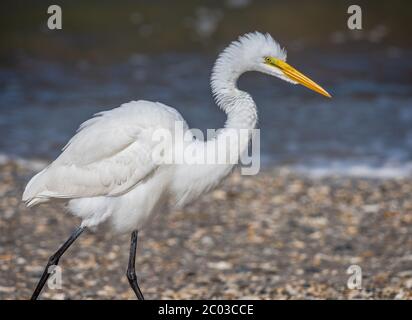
<point x="315" y="170"/>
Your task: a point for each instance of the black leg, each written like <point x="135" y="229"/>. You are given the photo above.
<point x="131" y="272"/>
<point x="54" y="260"/>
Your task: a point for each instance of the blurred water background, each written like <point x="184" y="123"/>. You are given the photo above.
<point x="112" y="52"/>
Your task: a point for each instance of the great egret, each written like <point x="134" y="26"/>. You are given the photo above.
<point x="106" y="170"/>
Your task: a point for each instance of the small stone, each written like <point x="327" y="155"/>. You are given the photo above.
<point x="7" y="289"/>
<point x="221" y="265"/>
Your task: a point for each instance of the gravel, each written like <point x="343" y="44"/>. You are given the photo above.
<point x="276" y="235"/>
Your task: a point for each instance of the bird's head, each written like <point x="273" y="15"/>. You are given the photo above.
<point x="260" y="52"/>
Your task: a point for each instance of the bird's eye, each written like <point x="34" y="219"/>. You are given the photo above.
<point x="267" y="59"/>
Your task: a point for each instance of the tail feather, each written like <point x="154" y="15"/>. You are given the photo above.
<point x="35" y="201"/>
<point x="31" y="195"/>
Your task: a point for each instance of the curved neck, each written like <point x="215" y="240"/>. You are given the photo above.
<point x="237" y="104"/>
<point x="223" y="150"/>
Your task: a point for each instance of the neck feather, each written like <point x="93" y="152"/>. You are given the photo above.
<point x="239" y="107"/>
<point x="237" y="104"/>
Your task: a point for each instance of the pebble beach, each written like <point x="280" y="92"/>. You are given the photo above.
<point x="276" y="235"/>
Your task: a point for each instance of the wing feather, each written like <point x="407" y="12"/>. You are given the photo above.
<point x="108" y="156"/>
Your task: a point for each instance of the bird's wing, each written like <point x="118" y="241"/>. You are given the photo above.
<point x="108" y="156"/>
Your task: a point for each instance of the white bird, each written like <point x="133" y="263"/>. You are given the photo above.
<point x="107" y="171"/>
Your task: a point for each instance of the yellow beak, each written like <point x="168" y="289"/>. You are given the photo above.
<point x="295" y="75"/>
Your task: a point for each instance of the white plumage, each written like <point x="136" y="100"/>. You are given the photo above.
<point x="106" y="171"/>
